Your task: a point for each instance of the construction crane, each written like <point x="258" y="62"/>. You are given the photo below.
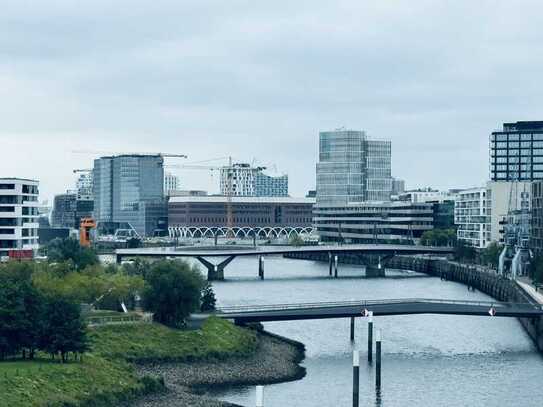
<point x="229" y="185"/>
<point x="166" y="155"/>
<point x="515" y="257"/>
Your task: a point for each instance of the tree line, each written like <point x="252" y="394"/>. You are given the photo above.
<point x="40" y="303"/>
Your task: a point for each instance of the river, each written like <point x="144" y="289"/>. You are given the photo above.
<point x="428" y="360"/>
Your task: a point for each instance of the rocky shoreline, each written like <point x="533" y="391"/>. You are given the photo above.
<point x="276" y="360"/>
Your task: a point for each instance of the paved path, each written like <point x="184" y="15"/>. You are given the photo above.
<point x="530" y="290"/>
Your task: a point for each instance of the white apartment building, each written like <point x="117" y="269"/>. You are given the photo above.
<point x="19" y="212"/>
<point x="424" y="196"/>
<point x="472" y="218"/>
<point x="171" y="184"/>
<point x="239" y="180"/>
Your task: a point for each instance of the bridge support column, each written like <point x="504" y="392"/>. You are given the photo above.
<point x="215" y="271"/>
<point x="378" y="360"/>
<point x="330" y="262"/>
<point x="352" y="329"/>
<point x="336" y="259"/>
<point x="370" y="337"/>
<point x="261" y="267"/>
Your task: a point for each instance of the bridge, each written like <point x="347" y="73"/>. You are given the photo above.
<point x="216" y="270"/>
<point x="354" y="309"/>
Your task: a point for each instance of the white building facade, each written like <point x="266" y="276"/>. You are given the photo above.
<point x="19" y="212"/>
<point x="171" y="184"/>
<point x="472" y="218"/>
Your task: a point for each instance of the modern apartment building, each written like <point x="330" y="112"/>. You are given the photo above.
<point x="516" y="152"/>
<point x="129" y="194"/>
<point x="242" y="179"/>
<point x="18" y="217"/>
<point x="471" y="217"/>
<point x="372" y="222"/>
<point x="84" y="185"/>
<point x="352" y="169"/>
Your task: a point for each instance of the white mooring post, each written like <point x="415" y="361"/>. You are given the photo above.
<point x="356" y="378"/>
<point x="259" y="396"/>
<point x="336" y="259"/>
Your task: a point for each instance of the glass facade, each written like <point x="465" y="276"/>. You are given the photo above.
<point x="516" y="152"/>
<point x="266" y="185"/>
<point x="352" y="169"/>
<point x="129" y="193"/>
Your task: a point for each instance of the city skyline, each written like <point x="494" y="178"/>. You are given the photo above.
<point x="107" y="77"/>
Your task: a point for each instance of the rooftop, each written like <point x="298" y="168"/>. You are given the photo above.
<point x="242" y="199"/>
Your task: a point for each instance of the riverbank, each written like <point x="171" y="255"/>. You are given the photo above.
<point x="107" y="375"/>
<point x="191" y="384"/>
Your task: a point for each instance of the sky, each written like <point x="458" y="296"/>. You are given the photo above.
<point x="258" y="80"/>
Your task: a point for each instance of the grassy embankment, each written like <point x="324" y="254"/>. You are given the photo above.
<point x="106" y="375"/>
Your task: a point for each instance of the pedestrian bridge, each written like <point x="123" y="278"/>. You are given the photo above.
<point x="216" y="270"/>
<point x="352" y="309"/>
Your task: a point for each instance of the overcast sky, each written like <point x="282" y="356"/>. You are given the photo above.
<point x="260" y="79"/>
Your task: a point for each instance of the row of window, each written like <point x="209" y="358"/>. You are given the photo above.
<point x="516" y="137"/>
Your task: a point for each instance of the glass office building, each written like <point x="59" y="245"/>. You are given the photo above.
<point x="352" y="169"/>
<point x="516" y="152"/>
<point x="129" y="194"/>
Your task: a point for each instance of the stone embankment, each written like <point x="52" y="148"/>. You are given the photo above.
<point x="189" y="383"/>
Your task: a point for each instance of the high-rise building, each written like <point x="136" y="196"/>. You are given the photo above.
<point x="84" y="185"/>
<point x="129" y="194"/>
<point x="64" y="210"/>
<point x="18" y="217"/>
<point x="516" y="152"/>
<point x="171" y="183"/>
<point x="242" y="179"/>
<point x="352" y="169"/>
<point x="398" y="186"/>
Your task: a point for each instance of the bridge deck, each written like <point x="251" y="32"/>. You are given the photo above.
<point x="362" y="248"/>
<point x="290" y="312"/>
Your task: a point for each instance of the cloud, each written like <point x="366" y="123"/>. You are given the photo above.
<point x="259" y="80"/>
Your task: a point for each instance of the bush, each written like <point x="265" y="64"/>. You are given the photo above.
<point x="208" y="300"/>
<point x="173" y="291"/>
<point x="69" y="250"/>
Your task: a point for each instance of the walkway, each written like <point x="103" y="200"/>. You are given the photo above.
<point x="291" y="312"/>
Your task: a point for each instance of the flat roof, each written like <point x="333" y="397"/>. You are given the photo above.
<point x="241" y="199"/>
<point x="18" y="179"/>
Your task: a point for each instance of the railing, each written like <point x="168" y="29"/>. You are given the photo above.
<point x="366" y="303"/>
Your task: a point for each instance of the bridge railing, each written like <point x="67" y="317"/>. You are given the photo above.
<point x="367" y="303"/>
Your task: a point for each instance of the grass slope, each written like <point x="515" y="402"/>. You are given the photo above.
<point x="105" y="376"/>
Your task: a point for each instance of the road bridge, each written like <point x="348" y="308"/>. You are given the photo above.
<point x="354" y="309"/>
<point x="216" y="270"/>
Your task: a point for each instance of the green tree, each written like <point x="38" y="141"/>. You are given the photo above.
<point x="464" y="252"/>
<point x="208" y="300"/>
<point x="69" y="250"/>
<point x="491" y="255"/>
<point x="65" y="330"/>
<point x="296" y="240"/>
<point x="173" y="291"/>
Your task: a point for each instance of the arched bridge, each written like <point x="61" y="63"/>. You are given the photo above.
<point x="354" y="309"/>
<point x="216" y="271"/>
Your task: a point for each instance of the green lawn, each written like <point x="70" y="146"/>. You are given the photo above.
<point x="105" y="376"/>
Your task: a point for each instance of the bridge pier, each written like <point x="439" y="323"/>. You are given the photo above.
<point x="352" y="329"/>
<point x="330" y="262"/>
<point x="215" y="272"/>
<point x="261" y="267"/>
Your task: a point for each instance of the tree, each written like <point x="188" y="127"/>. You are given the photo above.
<point x="296" y="240"/>
<point x="173" y="291"/>
<point x="65" y="330"/>
<point x="62" y="250"/>
<point x="208" y="300"/>
<point x="491" y="255"/>
<point x="464" y="252"/>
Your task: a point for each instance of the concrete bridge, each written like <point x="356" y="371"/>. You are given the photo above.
<point x="354" y="309"/>
<point x="216" y="270"/>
